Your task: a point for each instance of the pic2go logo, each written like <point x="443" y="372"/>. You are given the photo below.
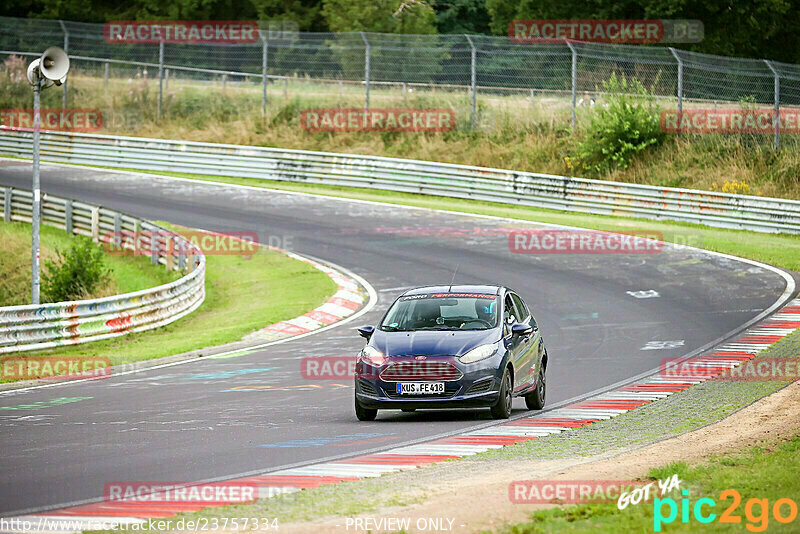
<point x="756" y="511"/>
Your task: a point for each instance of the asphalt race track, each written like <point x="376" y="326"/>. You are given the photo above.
<point x="199" y="420"/>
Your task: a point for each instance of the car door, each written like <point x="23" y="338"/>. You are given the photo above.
<point x="528" y="346"/>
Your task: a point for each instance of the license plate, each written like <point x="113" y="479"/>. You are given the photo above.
<point x="420" y="388"/>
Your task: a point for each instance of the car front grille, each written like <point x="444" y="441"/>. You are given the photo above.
<point x="420" y="370"/>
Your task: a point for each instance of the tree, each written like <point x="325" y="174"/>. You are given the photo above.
<point x="461" y="16"/>
<point x="380" y="16"/>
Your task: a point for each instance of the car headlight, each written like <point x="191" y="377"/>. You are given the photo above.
<point x="478" y="353"/>
<point x="373" y="356"/>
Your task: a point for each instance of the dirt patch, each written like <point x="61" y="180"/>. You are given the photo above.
<point x="479" y="503"/>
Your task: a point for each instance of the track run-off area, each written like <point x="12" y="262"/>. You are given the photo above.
<point x="606" y="319"/>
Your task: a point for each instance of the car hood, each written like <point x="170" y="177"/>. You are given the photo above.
<point x="431" y="342"/>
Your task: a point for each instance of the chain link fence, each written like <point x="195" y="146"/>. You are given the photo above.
<point x="385" y="69"/>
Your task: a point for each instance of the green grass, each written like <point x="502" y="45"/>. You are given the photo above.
<point x="755" y="473"/>
<point x="782" y="250"/>
<point x="242" y="295"/>
<point x="128" y="273"/>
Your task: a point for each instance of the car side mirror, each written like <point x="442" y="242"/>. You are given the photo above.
<point x="366" y="331"/>
<point x="521" y="329"/>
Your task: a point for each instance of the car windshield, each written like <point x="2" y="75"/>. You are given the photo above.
<point x="442" y="311"/>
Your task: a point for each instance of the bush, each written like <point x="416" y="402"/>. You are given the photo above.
<point x="75" y="274"/>
<point x="625" y="127"/>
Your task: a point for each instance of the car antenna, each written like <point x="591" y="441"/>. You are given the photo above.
<point x="452" y="279"/>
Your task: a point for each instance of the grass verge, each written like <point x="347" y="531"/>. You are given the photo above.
<point x="242" y="295"/>
<point x="761" y="477"/>
<point x="128" y="273"/>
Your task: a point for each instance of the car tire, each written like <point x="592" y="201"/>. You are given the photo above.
<point x="502" y="408"/>
<point x="365" y="414"/>
<point x="535" y="400"/>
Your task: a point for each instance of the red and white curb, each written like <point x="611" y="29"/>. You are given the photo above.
<point x="585" y="412"/>
<point x="348" y="298"/>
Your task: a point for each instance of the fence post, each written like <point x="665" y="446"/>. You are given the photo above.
<point x="105" y="74"/>
<point x="473" y="78"/>
<point x="160" y="74"/>
<point x="574" y="81"/>
<point x="68" y="217"/>
<point x="7" y="205"/>
<point x="166" y="79"/>
<point x="66" y="49"/>
<point x="777" y="98"/>
<point x="680" y="86"/>
<point x="366" y="69"/>
<point x="264" y="52"/>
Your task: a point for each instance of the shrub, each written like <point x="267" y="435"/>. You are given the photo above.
<point x="75" y="274"/>
<point x="625" y="127"/>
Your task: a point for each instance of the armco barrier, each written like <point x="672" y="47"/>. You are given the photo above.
<point x="760" y="214"/>
<point x="44" y="326"/>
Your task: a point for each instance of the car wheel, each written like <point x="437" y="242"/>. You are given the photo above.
<point x="502" y="408"/>
<point x="408" y="410"/>
<point x="535" y="400"/>
<point x="365" y="414"/>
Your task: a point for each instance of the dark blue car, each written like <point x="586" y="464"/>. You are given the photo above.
<point x="452" y="347"/>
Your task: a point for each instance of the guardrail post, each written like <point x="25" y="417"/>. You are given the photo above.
<point x="170" y="251"/>
<point x="160" y="74"/>
<point x="66" y="49"/>
<point x="182" y="256"/>
<point x="680" y="86"/>
<point x="777" y="99"/>
<point x="7" y="204"/>
<point x="366" y="70"/>
<point x="154" y="244"/>
<point x="264" y="57"/>
<point x="95" y="224"/>
<point x="473" y="78"/>
<point x="574" y="81"/>
<point x="117" y="231"/>
<point x="68" y="217"/>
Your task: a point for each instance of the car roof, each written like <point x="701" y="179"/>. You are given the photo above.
<point x="494" y="290"/>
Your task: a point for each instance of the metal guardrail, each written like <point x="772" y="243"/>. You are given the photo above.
<point x="762" y="214"/>
<point x="33" y="327"/>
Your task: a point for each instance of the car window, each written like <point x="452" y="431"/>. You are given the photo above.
<point x="509" y="315"/>
<point x="442" y="311"/>
<point x="522" y="310"/>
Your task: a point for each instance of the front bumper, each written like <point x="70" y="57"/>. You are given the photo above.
<point x="478" y="387"/>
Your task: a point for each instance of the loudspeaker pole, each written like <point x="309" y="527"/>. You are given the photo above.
<point x="37" y="196"/>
